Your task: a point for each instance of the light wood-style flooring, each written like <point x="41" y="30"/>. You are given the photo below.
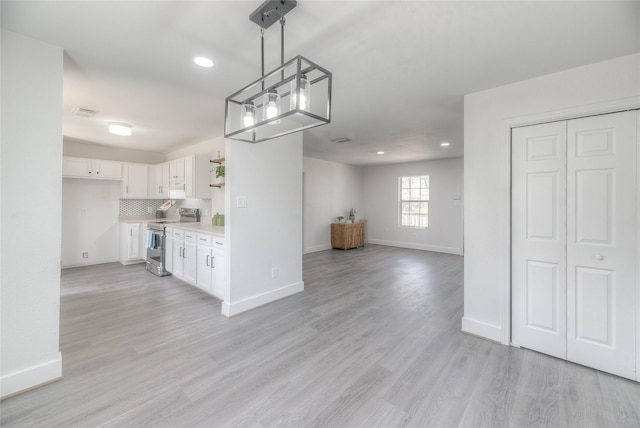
<point x="373" y="341"/>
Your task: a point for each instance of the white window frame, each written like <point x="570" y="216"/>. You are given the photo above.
<point x="423" y="219"/>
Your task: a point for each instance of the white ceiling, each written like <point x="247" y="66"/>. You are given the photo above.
<point x="400" y="68"/>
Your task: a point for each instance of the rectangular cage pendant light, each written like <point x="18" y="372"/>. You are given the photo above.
<point x="294" y="97"/>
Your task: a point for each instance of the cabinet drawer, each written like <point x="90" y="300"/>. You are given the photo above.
<point x="205" y="239"/>
<point x="190" y="237"/>
<point x="218" y="243"/>
<point x="178" y="234"/>
<point x="168" y="231"/>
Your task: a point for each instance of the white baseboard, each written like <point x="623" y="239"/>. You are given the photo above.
<point x="317" y="248"/>
<point x="434" y="248"/>
<point x="235" y="308"/>
<point x="15" y="383"/>
<point x="482" y="329"/>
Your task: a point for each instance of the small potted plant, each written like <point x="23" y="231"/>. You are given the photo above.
<point x="220" y="172"/>
<point x="340" y="219"/>
<point x="352" y="215"/>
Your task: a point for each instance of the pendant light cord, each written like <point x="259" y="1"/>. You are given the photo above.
<point x="282" y="21"/>
<point x="262" y="53"/>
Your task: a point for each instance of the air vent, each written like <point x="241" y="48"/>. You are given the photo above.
<point x="341" y="140"/>
<point x="84" y="112"/>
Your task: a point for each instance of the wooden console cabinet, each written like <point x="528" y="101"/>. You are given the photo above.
<point x="347" y="235"/>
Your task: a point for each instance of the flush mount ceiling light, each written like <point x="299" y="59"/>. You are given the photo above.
<point x="380" y="152"/>
<point x="293" y="97"/>
<point x="203" y="62"/>
<point x="445" y="144"/>
<point x="122" y="129"/>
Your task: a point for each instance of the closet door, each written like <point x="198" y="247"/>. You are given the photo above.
<point x="538" y="235"/>
<point x="601" y="242"/>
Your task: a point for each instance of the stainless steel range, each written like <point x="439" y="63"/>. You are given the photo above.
<point x="156" y="238"/>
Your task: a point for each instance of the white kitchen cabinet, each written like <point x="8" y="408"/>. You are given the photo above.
<point x="176" y="169"/>
<point x="205" y="272"/>
<point x="184" y="255"/>
<point x="190" y="255"/>
<point x="168" y="250"/>
<point x="178" y="247"/>
<point x="190" y="177"/>
<point x="210" y="276"/>
<point x="219" y="277"/>
<point x="132" y="243"/>
<point x="198" y="259"/>
<point x="205" y="268"/>
<point x="134" y="185"/>
<point x="91" y="168"/>
<point x="160" y="183"/>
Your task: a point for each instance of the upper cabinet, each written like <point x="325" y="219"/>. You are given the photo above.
<point x="159" y="181"/>
<point x="186" y="177"/>
<point x="134" y="185"/>
<point x="189" y="177"/>
<point x="177" y="169"/>
<point x="91" y="168"/>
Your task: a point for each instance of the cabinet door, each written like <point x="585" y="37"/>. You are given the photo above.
<point x="161" y="181"/>
<point x="107" y="169"/>
<point x="133" y="241"/>
<point x="218" y="279"/>
<point x="76" y="167"/>
<point x="178" y="258"/>
<point x="165" y="183"/>
<point x="176" y="169"/>
<point x="168" y="254"/>
<point x="204" y="270"/>
<point x="135" y="181"/>
<point x="190" y="255"/>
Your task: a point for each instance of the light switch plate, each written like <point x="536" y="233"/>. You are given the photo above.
<point x="241" y="202"/>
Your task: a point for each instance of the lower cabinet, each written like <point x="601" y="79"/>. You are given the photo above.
<point x="168" y="250"/>
<point x="132" y="243"/>
<point x="219" y="270"/>
<point x="210" y="274"/>
<point x="197" y="258"/>
<point x="205" y="272"/>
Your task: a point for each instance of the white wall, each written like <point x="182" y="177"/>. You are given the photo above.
<point x="330" y="190"/>
<point x="90" y="221"/>
<point x="267" y="233"/>
<point x="31" y="167"/>
<point x="444" y="233"/>
<point x="80" y="149"/>
<point x="486" y="172"/>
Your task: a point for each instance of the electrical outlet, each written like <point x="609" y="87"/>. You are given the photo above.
<point x="274" y="272"/>
<point x="149" y="210"/>
<point x="85" y="255"/>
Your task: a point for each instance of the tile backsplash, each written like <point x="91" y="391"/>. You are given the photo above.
<point x="131" y="207"/>
<point x="139" y="206"/>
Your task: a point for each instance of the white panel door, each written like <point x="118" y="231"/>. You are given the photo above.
<point x="601" y="242"/>
<point x="539" y="238"/>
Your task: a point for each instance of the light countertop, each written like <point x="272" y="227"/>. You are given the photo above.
<point x="203" y="226"/>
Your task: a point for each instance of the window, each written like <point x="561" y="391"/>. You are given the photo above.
<point x="414" y="201"/>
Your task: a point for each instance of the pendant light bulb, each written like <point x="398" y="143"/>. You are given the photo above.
<point x="305" y="96"/>
<point x="248" y="115"/>
<point x="271" y="106"/>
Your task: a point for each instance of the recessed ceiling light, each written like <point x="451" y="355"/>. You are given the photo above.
<point x="380" y="152"/>
<point x="203" y="62"/>
<point x="445" y="144"/>
<point x="122" y="129"/>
